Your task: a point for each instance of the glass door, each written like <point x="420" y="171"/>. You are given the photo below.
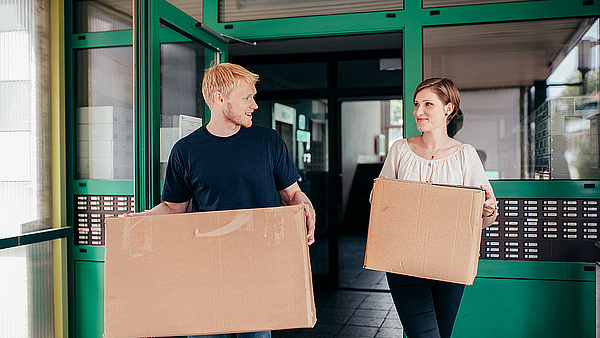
<point x="169" y="95"/>
<point x="182" y="107"/>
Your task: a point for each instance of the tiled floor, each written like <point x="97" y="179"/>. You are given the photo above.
<point x="361" y="307"/>
<point x="345" y="313"/>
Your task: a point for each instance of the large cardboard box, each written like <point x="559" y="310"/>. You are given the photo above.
<point x="425" y="230"/>
<point x="208" y="272"/>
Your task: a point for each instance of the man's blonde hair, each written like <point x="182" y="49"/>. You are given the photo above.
<point x="224" y="77"/>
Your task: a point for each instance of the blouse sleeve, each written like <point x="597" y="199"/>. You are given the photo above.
<point x="390" y="166"/>
<point x="473" y="172"/>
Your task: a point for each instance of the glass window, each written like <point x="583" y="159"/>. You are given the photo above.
<point x="103" y="15"/>
<point x="104" y="114"/>
<point x="181" y="102"/>
<point x="566" y="128"/>
<point x="528" y="102"/>
<point x="26" y="272"/>
<point x="235" y="10"/>
<point x="27" y="291"/>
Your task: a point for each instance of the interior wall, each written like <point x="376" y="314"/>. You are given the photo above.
<point x="361" y="123"/>
<point x="492" y="124"/>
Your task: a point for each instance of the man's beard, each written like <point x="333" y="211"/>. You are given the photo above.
<point x="242" y="120"/>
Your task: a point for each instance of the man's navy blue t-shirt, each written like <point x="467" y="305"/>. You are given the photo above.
<point x="245" y="170"/>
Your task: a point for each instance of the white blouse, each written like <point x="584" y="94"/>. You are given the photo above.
<point x="463" y="167"/>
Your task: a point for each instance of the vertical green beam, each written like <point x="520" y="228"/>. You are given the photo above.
<point x="210" y="13"/>
<point x="147" y="99"/>
<point x="140" y="67"/>
<point x="153" y="185"/>
<point x="413" y="61"/>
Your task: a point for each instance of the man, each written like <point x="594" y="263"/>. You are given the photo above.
<point x="229" y="163"/>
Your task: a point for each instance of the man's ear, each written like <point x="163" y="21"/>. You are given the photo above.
<point x="218" y="98"/>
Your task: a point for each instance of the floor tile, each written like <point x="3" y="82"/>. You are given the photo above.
<point x="357" y="331"/>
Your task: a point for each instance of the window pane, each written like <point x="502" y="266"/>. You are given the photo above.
<point x="524" y="104"/>
<point x="25" y="173"/>
<point x="235" y="10"/>
<point x="104" y="115"/>
<point x="102" y="16"/>
<point x="568" y="120"/>
<point x="26" y="291"/>
<point x="181" y="104"/>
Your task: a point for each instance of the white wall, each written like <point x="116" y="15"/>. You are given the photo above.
<point x="361" y="123"/>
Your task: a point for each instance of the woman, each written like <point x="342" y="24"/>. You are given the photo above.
<point x="428" y="308"/>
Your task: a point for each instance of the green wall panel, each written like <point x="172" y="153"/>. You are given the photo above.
<point x="526" y="309"/>
<point x="89" y="299"/>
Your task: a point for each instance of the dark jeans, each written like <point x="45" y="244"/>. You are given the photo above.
<point x="427" y="308"/>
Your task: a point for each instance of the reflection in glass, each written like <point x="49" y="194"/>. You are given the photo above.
<point x="181" y="103"/>
<point x="529" y="93"/>
<point x="104" y="114"/>
<point x="102" y="16"/>
<point x="566" y="129"/>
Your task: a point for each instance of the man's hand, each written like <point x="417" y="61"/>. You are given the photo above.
<point x="310" y="222"/>
<point x="293" y="195"/>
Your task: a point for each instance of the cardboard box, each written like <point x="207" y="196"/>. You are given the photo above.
<point x="207" y="273"/>
<point x="425" y="230"/>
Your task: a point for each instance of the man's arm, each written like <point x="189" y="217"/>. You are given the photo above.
<point x="294" y="195"/>
<point x="163" y="208"/>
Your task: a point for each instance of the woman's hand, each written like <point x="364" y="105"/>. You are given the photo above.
<point x="489" y="207"/>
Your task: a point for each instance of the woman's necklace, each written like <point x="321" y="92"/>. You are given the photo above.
<point x="440" y="148"/>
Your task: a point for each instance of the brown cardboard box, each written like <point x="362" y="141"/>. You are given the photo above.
<point x="208" y="272"/>
<point x="425" y="230"/>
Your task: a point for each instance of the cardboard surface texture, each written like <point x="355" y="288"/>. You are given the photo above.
<point x="208" y="272"/>
<point x="425" y="230"/>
